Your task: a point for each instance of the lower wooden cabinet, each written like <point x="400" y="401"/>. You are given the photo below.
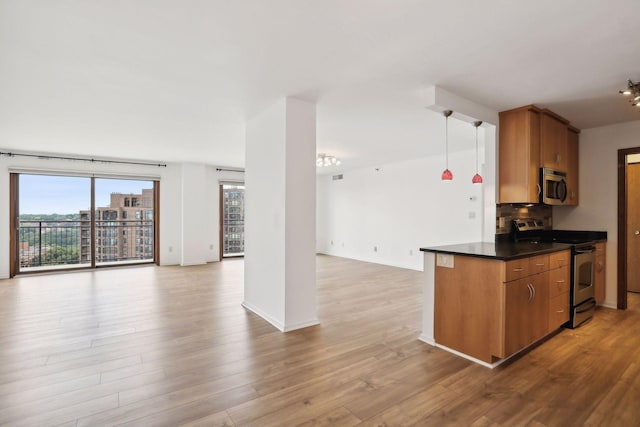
<point x="600" y="280"/>
<point x="558" y="311"/>
<point x="526" y="311"/>
<point x="480" y="312"/>
<point x="559" y="298"/>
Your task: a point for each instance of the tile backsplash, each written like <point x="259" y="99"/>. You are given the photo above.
<point x="505" y="213"/>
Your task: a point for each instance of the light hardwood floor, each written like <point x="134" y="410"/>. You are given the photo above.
<point x="172" y="346"/>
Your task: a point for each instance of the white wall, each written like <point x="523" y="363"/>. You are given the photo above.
<point x="598" y="208"/>
<point x="195" y="242"/>
<point x="171" y="198"/>
<point x="399" y="208"/>
<point x="264" y="246"/>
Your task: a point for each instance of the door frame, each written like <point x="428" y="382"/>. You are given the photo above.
<point x="622" y="224"/>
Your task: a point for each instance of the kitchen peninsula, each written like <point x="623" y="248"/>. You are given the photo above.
<point x="488" y="301"/>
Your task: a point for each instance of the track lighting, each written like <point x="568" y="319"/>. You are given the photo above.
<point x="632" y="89"/>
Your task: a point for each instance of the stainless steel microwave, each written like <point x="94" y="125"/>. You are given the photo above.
<point x="554" y="187"/>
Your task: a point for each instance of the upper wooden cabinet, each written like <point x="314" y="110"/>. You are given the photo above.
<point x="573" y="154"/>
<point x="553" y="141"/>
<point x="531" y="138"/>
<point x="519" y="155"/>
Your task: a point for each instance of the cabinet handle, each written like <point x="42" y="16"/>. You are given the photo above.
<point x="530" y="292"/>
<point x="558" y="157"/>
<point x="540" y="265"/>
<point x="534" y="291"/>
<point x="518" y="270"/>
<point x="560" y="311"/>
<point x="539" y="189"/>
<point x="559" y="281"/>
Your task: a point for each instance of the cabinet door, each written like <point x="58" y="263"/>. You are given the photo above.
<point x="553" y="142"/>
<point x="519" y="156"/>
<point x="559" y="281"/>
<point x="601" y="273"/>
<point x="558" y="311"/>
<point x="526" y="311"/>
<point x="572" y="166"/>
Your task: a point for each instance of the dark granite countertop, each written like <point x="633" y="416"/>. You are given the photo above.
<point x="501" y="251"/>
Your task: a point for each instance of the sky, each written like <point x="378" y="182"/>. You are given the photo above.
<point x="43" y="194"/>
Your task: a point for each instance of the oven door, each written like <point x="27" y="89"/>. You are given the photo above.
<point x="583" y="275"/>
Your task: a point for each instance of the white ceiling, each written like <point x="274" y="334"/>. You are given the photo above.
<point x="175" y="80"/>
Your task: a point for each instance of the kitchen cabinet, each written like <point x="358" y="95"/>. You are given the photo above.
<point x="525" y="311"/>
<point x="559" y="297"/>
<point x="531" y="138"/>
<point x="519" y="155"/>
<point x="600" y="279"/>
<point x="573" y="154"/>
<point x="490" y="309"/>
<point x="553" y="141"/>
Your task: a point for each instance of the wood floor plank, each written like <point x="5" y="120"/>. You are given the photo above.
<point x="173" y="346"/>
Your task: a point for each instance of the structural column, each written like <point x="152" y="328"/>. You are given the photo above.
<point x="280" y="215"/>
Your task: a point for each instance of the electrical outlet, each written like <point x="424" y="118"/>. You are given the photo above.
<point x="375" y="249"/>
<point x="332" y="243"/>
<point x="472" y="215"/>
<point x="170" y="248"/>
<point x="444" y="260"/>
<point x="410" y="252"/>
<point x="211" y="247"/>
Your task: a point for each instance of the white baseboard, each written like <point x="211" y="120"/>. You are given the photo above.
<point x="275" y="322"/>
<point x="427" y="339"/>
<point x="278" y="324"/>
<point x="608" y="304"/>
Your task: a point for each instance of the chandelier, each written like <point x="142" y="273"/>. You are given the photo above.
<point x="632" y="89"/>
<point x="323" y="160"/>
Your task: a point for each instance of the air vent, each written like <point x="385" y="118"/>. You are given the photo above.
<point x="337" y="177"/>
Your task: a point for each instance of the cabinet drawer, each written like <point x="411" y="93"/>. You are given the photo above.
<point x="516" y="269"/>
<point x="559" y="281"/>
<point x="558" y="311"/>
<point x="560" y="259"/>
<point x="538" y="264"/>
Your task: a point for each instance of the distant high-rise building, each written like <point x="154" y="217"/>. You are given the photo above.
<point x="232" y="220"/>
<point x="124" y="229"/>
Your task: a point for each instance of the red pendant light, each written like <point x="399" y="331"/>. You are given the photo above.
<point x="477" y="179"/>
<point x="447" y="175"/>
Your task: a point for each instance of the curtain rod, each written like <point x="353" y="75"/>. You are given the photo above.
<point x="39" y="156"/>
<point x="229" y="170"/>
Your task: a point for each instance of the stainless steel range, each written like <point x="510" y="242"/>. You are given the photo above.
<point x="582" y="261"/>
<point x="583" y="264"/>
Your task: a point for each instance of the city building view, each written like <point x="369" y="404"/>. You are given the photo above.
<point x="232" y="220"/>
<point x="124" y="231"/>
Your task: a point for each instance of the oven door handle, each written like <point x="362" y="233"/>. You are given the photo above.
<point x="590" y="305"/>
<point x="588" y="250"/>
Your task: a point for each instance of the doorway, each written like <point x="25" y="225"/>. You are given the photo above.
<point x="231" y="220"/>
<point x="628" y="224"/>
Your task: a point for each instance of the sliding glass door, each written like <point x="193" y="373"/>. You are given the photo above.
<point x="50" y="221"/>
<point x="124" y="221"/>
<point x="232" y="220"/>
<point x="71" y="222"/>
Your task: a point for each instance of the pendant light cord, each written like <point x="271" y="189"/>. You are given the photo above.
<point x="477" y="167"/>
<point x="446" y="138"/>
